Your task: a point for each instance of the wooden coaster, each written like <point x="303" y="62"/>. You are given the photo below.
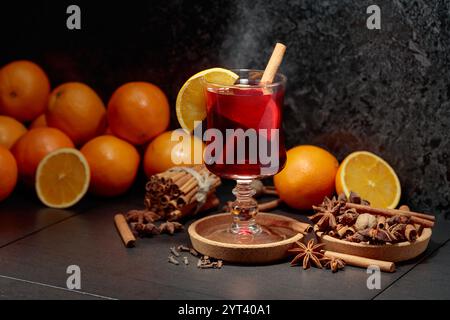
<point x="208" y="237"/>
<point x="390" y="252"/>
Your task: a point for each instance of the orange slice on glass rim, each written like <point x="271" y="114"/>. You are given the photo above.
<point x="191" y="104"/>
<point x="62" y="178"/>
<point x="371" y="177"/>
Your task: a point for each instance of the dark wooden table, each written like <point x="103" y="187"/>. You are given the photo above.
<point x="37" y="245"/>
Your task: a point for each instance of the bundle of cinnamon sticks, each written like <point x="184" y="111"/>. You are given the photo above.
<point x="177" y="192"/>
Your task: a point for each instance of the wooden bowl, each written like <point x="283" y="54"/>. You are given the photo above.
<point x="390" y="252"/>
<point x="202" y="230"/>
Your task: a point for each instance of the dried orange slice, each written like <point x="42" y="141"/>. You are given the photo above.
<point x="371" y="177"/>
<point x="62" y="178"/>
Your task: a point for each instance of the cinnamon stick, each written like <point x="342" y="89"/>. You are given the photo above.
<point x="385" y="266"/>
<point x="124" y="230"/>
<point x="415" y="217"/>
<point x="183" y="180"/>
<point x="269" y="205"/>
<point x="270" y="191"/>
<point x="419" y="229"/>
<point x="164" y="200"/>
<point x="177" y="176"/>
<point x="381" y="222"/>
<point x="345" y="230"/>
<point x="404" y="207"/>
<point x="192" y="182"/>
<point x="211" y="202"/>
<point x="274" y="63"/>
<point x="188" y="197"/>
<point x="297" y="226"/>
<point x="411" y="233"/>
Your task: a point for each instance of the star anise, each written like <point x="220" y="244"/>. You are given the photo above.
<point x="170" y="227"/>
<point x="397" y="231"/>
<point x="309" y="254"/>
<point x="335" y="264"/>
<point x="144" y="230"/>
<point x="348" y="218"/>
<point x="356" y="237"/>
<point x="376" y="236"/>
<point x="355" y="198"/>
<point x="142" y="216"/>
<point x="325" y="217"/>
<point x="397" y="220"/>
<point x="141" y="222"/>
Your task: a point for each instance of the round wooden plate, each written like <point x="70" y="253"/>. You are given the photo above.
<point x="202" y="230"/>
<point x="391" y="252"/>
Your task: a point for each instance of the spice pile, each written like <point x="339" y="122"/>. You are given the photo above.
<point x="354" y="220"/>
<point x="143" y="223"/>
<point x="170" y="196"/>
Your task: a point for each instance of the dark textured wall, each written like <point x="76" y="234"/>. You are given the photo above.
<point x="350" y="88"/>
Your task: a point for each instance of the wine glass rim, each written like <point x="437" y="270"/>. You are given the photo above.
<point x="281" y="80"/>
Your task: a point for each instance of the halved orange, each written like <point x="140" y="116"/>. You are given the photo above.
<point x="62" y="178"/>
<point x="371" y="177"/>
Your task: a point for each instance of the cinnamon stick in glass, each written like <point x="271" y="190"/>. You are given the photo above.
<point x="274" y="63"/>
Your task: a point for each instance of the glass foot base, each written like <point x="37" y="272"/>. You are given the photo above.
<point x="221" y="233"/>
<point x="245" y="228"/>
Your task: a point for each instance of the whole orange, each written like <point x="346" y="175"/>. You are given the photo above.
<point x="77" y="110"/>
<point x="163" y="153"/>
<point x="8" y="173"/>
<point x="138" y="111"/>
<point x="113" y="163"/>
<point x="24" y="90"/>
<point x="10" y="131"/>
<point x="39" y="122"/>
<point x="33" y="146"/>
<point x="307" y="177"/>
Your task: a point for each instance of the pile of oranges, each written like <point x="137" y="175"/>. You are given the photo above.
<point x="66" y="141"/>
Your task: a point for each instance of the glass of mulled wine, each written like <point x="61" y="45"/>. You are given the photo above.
<point x="245" y="139"/>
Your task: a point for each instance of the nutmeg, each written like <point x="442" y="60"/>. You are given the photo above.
<point x="365" y="221"/>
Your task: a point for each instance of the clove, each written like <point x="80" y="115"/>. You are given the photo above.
<point x="206" y="263"/>
<point x="173" y="260"/>
<point x="185" y="260"/>
<point x="183" y="248"/>
<point x="174" y="252"/>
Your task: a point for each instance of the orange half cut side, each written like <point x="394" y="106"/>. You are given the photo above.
<point x="62" y="178"/>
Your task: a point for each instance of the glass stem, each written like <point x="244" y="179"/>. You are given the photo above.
<point x="244" y="209"/>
